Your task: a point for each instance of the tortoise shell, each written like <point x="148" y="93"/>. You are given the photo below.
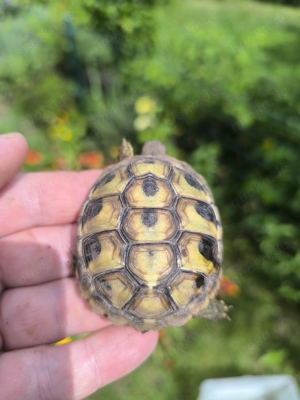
<point x="150" y="242"/>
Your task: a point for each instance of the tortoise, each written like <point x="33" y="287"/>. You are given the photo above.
<point x="150" y="242"/>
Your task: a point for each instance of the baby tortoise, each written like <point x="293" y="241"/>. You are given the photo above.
<point x="150" y="242"/>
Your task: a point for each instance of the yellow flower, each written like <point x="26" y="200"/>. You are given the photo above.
<point x="60" y="132"/>
<point x="64" y="341"/>
<point x="144" y="105"/>
<point x="58" y="126"/>
<point x="66" y="135"/>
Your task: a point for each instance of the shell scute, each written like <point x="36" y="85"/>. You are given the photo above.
<point x="101" y="214"/>
<point x="198" y="253"/>
<point x="151" y="263"/>
<point x="197" y="216"/>
<point x="112" y="183"/>
<point x="189" y="185"/>
<point x="151" y="303"/>
<point x="149" y="166"/>
<point x="102" y="252"/>
<point x="116" y="288"/>
<point x="149" y="192"/>
<point x="149" y="225"/>
<point x="185" y="287"/>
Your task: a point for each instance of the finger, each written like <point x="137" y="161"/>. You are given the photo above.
<point x="43" y="198"/>
<point x="45" y="314"/>
<point x="13" y="150"/>
<point x="77" y="369"/>
<point x="37" y="255"/>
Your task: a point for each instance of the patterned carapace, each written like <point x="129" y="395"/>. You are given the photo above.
<point x="150" y="243"/>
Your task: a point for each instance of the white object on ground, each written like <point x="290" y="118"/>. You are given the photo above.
<point x="267" y="387"/>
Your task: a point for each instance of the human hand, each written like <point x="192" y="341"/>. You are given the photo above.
<point x="40" y="301"/>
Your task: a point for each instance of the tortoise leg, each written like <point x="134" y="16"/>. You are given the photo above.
<point x="216" y="309"/>
<point x="125" y="150"/>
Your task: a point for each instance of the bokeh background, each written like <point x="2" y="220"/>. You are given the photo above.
<point x="219" y="83"/>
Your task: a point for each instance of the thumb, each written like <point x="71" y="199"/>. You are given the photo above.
<point x="13" y="150"/>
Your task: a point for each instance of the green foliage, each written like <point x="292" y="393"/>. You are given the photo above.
<point x="218" y="82"/>
<point x="68" y="59"/>
<point x="284" y="2"/>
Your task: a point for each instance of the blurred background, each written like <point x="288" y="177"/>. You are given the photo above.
<point x="219" y="83"/>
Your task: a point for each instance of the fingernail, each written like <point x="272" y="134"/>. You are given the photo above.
<point x="9" y="135"/>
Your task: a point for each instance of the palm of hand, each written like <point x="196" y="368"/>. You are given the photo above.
<point x="40" y="302"/>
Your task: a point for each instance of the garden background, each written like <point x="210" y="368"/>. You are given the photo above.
<point x="219" y="83"/>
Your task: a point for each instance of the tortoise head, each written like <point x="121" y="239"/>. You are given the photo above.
<point x="154" y="148"/>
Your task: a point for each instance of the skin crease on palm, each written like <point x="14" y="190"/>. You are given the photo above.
<point x="40" y="302"/>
